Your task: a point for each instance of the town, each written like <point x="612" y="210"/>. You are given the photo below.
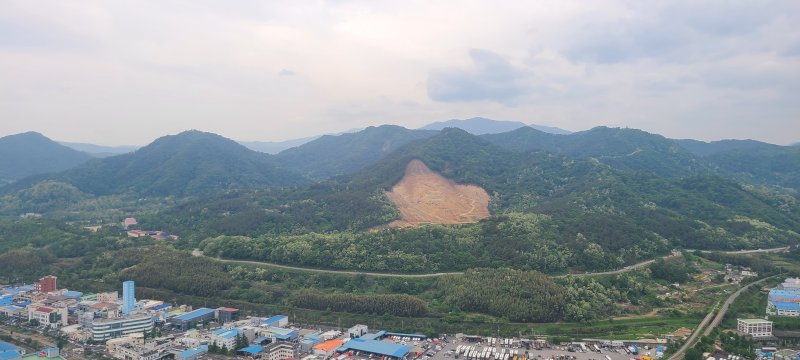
<point x="124" y="327"/>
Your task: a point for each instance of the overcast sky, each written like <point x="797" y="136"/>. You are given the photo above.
<point x="126" y="72"/>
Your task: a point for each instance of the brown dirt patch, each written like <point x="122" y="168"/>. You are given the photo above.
<point x="425" y="197"/>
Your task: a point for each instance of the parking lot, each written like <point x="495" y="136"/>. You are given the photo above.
<point x="555" y="352"/>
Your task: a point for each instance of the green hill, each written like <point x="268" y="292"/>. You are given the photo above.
<point x="333" y="155"/>
<point x="32" y="153"/>
<point x="186" y="164"/>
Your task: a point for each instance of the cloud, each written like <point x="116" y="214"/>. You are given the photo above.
<point x="491" y="78"/>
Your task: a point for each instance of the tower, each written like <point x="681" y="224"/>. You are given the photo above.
<point x="128" y="300"/>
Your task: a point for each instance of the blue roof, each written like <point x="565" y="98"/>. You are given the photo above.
<point x="416" y="336"/>
<point x="73" y="294"/>
<point x="274" y="319"/>
<point x="314" y="336"/>
<point x="260" y="339"/>
<point x="227" y="333"/>
<point x="4" y="346"/>
<point x="373" y="336"/>
<point x="793" y="295"/>
<point x="252" y="349"/>
<point x="289" y="336"/>
<point x="195" y="314"/>
<point x="9" y="355"/>
<point x="193" y="352"/>
<point x="786" y="305"/>
<point x="162" y="306"/>
<point x="310" y="341"/>
<point x="376" y="347"/>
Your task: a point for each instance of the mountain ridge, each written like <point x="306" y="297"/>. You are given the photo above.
<point x="31" y="153"/>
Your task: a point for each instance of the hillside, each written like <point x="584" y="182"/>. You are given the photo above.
<point x="32" y="153"/>
<point x="189" y="163"/>
<point x="333" y="155"/>
<point x="702" y="148"/>
<point x="425" y="197"/>
<point x="274" y="147"/>
<point x="625" y="149"/>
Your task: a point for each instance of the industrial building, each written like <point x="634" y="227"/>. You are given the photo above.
<point x="105" y="329"/>
<point x="226" y="314"/>
<point x="357" y="331"/>
<point x="277" y="321"/>
<point x="376" y="347"/>
<point x="755" y="327"/>
<point x="784" y="302"/>
<point x="192" y="318"/>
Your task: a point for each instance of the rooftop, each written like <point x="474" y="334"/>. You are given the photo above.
<point x="376" y="347"/>
<point x="275" y="318"/>
<point x="226" y="333"/>
<point x="329" y="345"/>
<point x="252" y="349"/>
<point x="754" y="321"/>
<point x="786" y="306"/>
<point x="194" y="314"/>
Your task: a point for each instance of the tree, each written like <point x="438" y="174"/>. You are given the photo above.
<point x="693" y="354"/>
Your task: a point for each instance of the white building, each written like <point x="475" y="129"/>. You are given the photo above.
<point x="357" y="330"/>
<point x="755" y="327"/>
<point x="49" y="316"/>
<point x="104" y="329"/>
<point x="278" y="351"/>
<point x="225" y="338"/>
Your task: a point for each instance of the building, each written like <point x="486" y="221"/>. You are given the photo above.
<point x="755" y="327"/>
<point x="376" y="347"/>
<point x="108" y="297"/>
<point x="327" y="348"/>
<point x="783" y="302"/>
<point x="191" y="354"/>
<point x="280" y="334"/>
<point x="226" y="314"/>
<point x="790" y="284"/>
<point x="278" y="351"/>
<point x="226" y="338"/>
<point x="277" y="321"/>
<point x="9" y="352"/>
<point x="192" y="318"/>
<point x="105" y="329"/>
<point x="357" y="331"/>
<point x="48" y="316"/>
<point x="128" y="299"/>
<point x="46" y="284"/>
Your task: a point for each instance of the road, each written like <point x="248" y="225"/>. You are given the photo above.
<point x="714" y="323"/>
<point x="197" y="252"/>
<point x="727" y="304"/>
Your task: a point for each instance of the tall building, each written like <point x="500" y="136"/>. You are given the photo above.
<point x="755" y="327"/>
<point x="128" y="300"/>
<point x="46" y="284"/>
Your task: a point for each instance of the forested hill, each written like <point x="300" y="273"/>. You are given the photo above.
<point x="626" y="149"/>
<point x="32" y="153"/>
<point x="189" y="163"/>
<point x="333" y="155"/>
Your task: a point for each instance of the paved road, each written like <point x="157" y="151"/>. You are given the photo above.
<point x="727" y="304"/>
<point x="714" y="323"/>
<point x="197" y="252"/>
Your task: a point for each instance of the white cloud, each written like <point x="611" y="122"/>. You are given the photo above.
<point x="117" y="72"/>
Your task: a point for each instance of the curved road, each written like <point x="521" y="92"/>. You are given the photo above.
<point x="197" y="252"/>
<point x="717" y="319"/>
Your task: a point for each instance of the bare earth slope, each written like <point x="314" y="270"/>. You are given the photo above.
<point x="425" y="197"/>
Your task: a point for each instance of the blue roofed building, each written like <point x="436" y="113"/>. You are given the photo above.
<point x="73" y="294"/>
<point x="251" y="350"/>
<point x="376" y="347"/>
<point x="9" y="352"/>
<point x="784" y="302"/>
<point x="280" y="334"/>
<point x="225" y="337"/>
<point x="192" y="318"/>
<point x="192" y="354"/>
<point x="276" y="321"/>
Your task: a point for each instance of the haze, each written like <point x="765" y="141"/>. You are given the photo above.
<point x="127" y="72"/>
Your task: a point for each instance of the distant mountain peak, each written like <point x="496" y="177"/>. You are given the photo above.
<point x="31" y="153"/>
<point x="482" y="126"/>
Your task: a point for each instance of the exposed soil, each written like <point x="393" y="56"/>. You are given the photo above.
<point x="425" y="197"/>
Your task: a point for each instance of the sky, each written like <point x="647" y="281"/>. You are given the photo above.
<point x="126" y="72"/>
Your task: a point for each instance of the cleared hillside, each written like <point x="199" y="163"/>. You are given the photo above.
<point x="425" y="197"/>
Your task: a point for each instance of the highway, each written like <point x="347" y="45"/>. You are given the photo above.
<point x="197" y="252"/>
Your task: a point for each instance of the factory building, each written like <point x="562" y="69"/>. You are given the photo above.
<point x="105" y="329"/>
<point x="192" y="318"/>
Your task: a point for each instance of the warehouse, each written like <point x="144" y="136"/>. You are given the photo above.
<point x="192" y="318"/>
<point x="380" y="348"/>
